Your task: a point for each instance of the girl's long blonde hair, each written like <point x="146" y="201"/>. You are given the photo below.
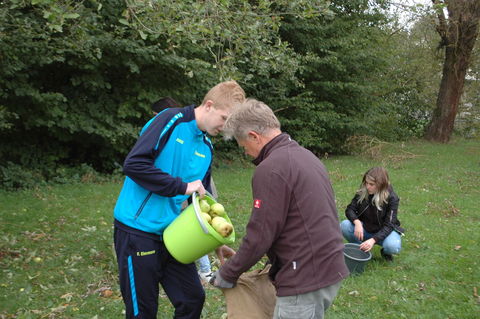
<point x="379" y="176"/>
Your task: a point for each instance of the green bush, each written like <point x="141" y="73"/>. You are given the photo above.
<point x="14" y="177"/>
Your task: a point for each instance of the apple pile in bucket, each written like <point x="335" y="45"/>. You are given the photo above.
<point x="214" y="215"/>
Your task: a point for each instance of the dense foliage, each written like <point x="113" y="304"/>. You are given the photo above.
<point x="77" y="78"/>
<point x="76" y="84"/>
<point x="341" y="61"/>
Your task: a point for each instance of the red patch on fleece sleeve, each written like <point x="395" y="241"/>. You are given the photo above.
<point x="257" y="203"/>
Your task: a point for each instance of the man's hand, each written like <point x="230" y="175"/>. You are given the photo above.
<point x="195" y="186"/>
<point x="224" y="252"/>
<point x="367" y="245"/>
<point x="219" y="282"/>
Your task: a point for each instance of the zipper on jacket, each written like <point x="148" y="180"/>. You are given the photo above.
<point x="363" y="211"/>
<point x="139" y="211"/>
<point x="378" y="219"/>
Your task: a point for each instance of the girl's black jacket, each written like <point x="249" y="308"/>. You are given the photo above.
<point x="380" y="223"/>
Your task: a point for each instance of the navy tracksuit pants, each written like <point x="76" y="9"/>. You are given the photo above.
<point x="143" y="264"/>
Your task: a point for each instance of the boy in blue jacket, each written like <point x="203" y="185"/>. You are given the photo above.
<point x="205" y="269"/>
<point x="171" y="160"/>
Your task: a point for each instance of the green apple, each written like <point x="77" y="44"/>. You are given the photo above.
<point x="217" y="209"/>
<point x="217" y="221"/>
<point x="222" y="227"/>
<point x="207" y="218"/>
<point x="204" y="206"/>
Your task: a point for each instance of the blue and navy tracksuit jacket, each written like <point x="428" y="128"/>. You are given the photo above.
<point x="170" y="152"/>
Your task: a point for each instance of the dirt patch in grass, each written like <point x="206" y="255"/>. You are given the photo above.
<point x="375" y="149"/>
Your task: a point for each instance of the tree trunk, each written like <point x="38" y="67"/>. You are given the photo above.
<point x="458" y="34"/>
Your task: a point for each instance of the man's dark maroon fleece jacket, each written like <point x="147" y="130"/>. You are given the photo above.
<point x="294" y="221"/>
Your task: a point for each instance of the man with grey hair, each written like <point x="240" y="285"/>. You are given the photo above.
<point x="294" y="218"/>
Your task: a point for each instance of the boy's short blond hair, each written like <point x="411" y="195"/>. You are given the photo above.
<point x="225" y="95"/>
<point x="252" y="115"/>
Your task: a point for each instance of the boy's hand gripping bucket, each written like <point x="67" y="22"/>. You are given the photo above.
<point x="189" y="237"/>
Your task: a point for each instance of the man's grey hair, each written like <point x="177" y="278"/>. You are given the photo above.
<point x="252" y="115"/>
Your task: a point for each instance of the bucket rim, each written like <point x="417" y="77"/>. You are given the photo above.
<point x="197" y="210"/>
<point x="206" y="227"/>
<point x="353" y="245"/>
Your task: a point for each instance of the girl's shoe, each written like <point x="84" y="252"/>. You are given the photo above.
<point x="387" y="257"/>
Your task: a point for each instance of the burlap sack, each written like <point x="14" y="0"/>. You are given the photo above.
<point x="253" y="297"/>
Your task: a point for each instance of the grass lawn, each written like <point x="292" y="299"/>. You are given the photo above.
<point x="56" y="257"/>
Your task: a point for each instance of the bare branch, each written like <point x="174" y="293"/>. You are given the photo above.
<point x="442" y="24"/>
<point x="284" y="108"/>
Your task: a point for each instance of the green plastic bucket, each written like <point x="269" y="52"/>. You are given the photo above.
<point x="189" y="237"/>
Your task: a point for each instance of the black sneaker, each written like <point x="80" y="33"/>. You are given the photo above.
<point x="387" y="257"/>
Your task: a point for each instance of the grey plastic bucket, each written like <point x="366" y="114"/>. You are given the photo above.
<point x="355" y="258"/>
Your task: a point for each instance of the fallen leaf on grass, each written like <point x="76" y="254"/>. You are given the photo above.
<point x="457" y="247"/>
<point x="89" y="228"/>
<point x="421" y="286"/>
<point x="36" y="236"/>
<point x="9" y="253"/>
<point x="106" y="293"/>
<point x="60" y="308"/>
<point x="354" y="293"/>
<point x="67" y="296"/>
<point x="475" y="294"/>
<point x="33" y="277"/>
<point x="44" y="287"/>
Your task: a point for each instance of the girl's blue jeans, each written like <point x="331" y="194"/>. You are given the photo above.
<point x="204" y="264"/>
<point x="392" y="244"/>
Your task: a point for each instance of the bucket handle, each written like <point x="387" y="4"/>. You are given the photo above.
<point x="196" y="209"/>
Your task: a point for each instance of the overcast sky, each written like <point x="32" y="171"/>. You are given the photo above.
<point x="401" y="9"/>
